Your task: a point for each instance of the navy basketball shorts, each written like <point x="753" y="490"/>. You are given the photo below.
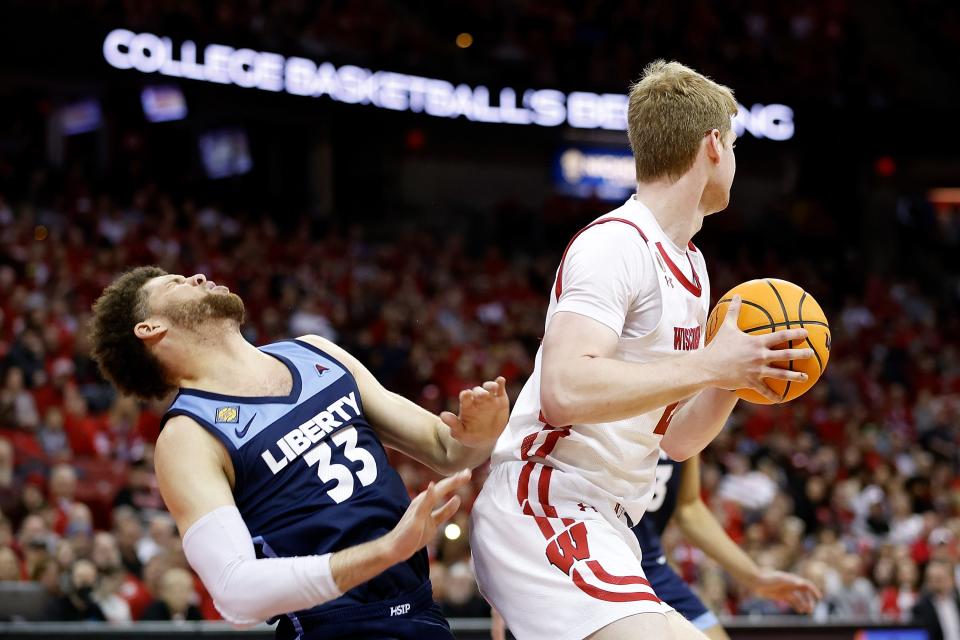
<point x="412" y="617"/>
<point x="672" y="589"/>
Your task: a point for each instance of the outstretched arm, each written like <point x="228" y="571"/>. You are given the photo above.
<point x="445" y="443"/>
<point x="194" y="473"/>
<point x="701" y="528"/>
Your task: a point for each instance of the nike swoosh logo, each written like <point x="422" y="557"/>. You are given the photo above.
<point x="240" y="433"/>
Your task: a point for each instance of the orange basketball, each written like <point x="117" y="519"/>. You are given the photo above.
<point x="777" y="305"/>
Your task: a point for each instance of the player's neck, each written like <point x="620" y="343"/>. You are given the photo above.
<point x="676" y="206"/>
<point x="220" y="360"/>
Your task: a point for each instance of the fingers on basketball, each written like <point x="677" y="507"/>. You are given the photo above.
<point x="791" y="321"/>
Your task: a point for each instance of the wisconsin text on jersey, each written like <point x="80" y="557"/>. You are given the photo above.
<point x="297" y="441"/>
<point x="685" y="339"/>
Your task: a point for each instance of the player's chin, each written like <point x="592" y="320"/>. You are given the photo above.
<point x="723" y="202"/>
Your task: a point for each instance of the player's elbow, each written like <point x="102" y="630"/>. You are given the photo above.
<point x="556" y="405"/>
<point x="677" y="448"/>
<point x="241" y="598"/>
<point x="239" y="609"/>
<point x="685" y="516"/>
<point x="231" y="614"/>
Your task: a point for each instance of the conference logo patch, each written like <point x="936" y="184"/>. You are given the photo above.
<point x="228" y="414"/>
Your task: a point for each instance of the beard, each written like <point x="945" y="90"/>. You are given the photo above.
<point x="211" y="307"/>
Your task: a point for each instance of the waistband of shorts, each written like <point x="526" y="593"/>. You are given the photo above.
<point x="611" y="501"/>
<point x="419" y="599"/>
<point x="653" y="562"/>
<point x="623" y="516"/>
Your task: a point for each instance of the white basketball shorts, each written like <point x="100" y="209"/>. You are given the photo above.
<point x="552" y="555"/>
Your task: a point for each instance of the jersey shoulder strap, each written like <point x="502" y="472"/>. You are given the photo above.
<point x="235" y="420"/>
<point x="558" y="288"/>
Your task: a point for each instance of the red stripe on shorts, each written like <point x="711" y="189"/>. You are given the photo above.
<point x="527" y="444"/>
<point x="523" y="497"/>
<point x="550" y="442"/>
<point x="609" y="578"/>
<point x="546" y="528"/>
<point x="611" y="596"/>
<point x="523" y="484"/>
<point x="543" y="492"/>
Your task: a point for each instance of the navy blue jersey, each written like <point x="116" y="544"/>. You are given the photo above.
<point x="660" y="510"/>
<point x="311" y="474"/>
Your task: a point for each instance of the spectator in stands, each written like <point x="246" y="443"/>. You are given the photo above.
<point x="9" y="565"/>
<point x="460" y="596"/>
<point x="6" y="532"/>
<point x="752" y="489"/>
<point x="161" y="537"/>
<point x="938" y="610"/>
<point x="177" y="599"/>
<point x="908" y="583"/>
<point x="79" y="531"/>
<point x="10" y="487"/>
<point x="17" y="407"/>
<point x="128" y="531"/>
<point x="52" y="437"/>
<point x="77" y="603"/>
<point x="48" y="574"/>
<point x="35" y="543"/>
<point x="107" y="596"/>
<point x="106" y="556"/>
<point x="120" y="439"/>
<point x="32" y="499"/>
<point x="153" y="572"/>
<point x="63" y="489"/>
<point x="140" y="492"/>
<point x="852" y="597"/>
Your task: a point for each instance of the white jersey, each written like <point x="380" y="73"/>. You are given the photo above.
<point x="623" y="271"/>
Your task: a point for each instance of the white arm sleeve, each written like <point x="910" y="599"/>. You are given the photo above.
<point x="246" y="590"/>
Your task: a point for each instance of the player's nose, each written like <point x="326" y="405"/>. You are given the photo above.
<point x="197" y="279"/>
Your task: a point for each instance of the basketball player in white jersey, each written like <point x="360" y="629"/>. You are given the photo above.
<point x="622" y="372"/>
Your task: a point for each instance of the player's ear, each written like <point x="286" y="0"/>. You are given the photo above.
<point x="150" y="330"/>
<point x="714" y="145"/>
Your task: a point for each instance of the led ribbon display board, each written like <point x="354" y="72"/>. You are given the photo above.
<point x="267" y="71"/>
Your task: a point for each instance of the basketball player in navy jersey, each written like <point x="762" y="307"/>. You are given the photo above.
<point x="272" y="462"/>
<point x="677" y="496"/>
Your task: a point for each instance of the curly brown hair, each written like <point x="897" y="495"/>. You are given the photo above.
<point x="122" y="357"/>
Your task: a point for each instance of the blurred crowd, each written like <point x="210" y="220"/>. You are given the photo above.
<point x="854" y="485"/>
<point x="817" y="50"/>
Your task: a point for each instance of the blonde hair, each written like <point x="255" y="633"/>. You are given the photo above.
<point x="670" y="109"/>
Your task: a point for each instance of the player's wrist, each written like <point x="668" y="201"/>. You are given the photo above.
<point x="477" y="444"/>
<point x="391" y="549"/>
<point x="704" y="370"/>
<point x="749" y="578"/>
